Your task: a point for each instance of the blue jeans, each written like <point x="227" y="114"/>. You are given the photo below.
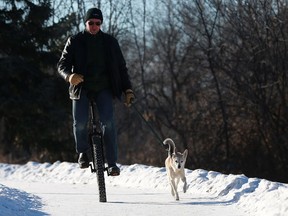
<point x="105" y="108"/>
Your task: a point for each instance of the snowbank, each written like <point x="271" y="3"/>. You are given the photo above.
<point x="255" y="196"/>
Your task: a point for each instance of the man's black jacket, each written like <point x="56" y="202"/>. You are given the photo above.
<point x="74" y="60"/>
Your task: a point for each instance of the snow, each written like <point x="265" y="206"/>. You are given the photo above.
<point x="61" y="188"/>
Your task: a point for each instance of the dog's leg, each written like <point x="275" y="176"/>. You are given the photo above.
<point x="170" y="180"/>
<point x="177" y="183"/>
<point x="185" y="184"/>
<point x="174" y="189"/>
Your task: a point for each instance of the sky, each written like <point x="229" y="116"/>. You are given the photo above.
<point x="61" y="189"/>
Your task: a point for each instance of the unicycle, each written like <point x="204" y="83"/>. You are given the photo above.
<point x="97" y="166"/>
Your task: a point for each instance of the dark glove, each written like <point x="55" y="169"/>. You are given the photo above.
<point x="129" y="97"/>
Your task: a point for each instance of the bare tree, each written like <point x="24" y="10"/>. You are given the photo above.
<point x="258" y="69"/>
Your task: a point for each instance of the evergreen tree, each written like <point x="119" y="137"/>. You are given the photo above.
<point x="34" y="104"/>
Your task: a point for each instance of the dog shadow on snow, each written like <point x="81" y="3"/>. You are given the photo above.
<point x="206" y="201"/>
<point x="165" y="200"/>
<point x="231" y="194"/>
<point x="184" y="201"/>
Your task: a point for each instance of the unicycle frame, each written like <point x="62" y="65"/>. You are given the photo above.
<point x="97" y="166"/>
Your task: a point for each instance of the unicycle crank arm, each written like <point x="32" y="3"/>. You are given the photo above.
<point x="93" y="170"/>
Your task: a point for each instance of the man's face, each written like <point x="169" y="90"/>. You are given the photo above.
<point x="93" y="25"/>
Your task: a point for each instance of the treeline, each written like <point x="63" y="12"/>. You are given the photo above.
<point x="212" y="75"/>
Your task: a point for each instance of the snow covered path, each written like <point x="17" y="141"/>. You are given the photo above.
<point x="62" y="189"/>
<point x="82" y="199"/>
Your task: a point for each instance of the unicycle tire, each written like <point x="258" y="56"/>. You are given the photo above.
<point x="100" y="169"/>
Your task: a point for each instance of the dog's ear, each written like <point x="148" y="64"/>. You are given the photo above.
<point x="185" y="153"/>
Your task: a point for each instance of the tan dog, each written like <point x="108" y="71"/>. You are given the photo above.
<point x="175" y="163"/>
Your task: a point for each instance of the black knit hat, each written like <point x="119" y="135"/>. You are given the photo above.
<point x="93" y="13"/>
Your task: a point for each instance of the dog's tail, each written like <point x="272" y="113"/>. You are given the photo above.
<point x="172" y="148"/>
